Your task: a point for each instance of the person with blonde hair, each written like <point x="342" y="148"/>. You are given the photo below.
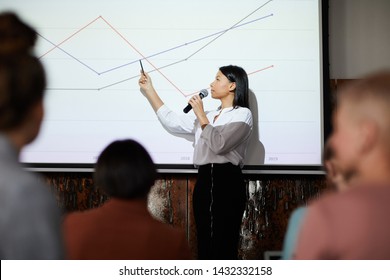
<point x="352" y="224"/>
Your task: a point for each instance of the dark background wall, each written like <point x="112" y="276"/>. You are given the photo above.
<point x="270" y="202"/>
<point x="359" y="37"/>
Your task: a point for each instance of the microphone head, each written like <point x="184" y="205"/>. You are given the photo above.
<point x="203" y="93"/>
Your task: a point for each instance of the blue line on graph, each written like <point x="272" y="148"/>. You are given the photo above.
<point x="216" y="36"/>
<point x="185" y="44"/>
<point x="75" y="58"/>
<point x="156" y="54"/>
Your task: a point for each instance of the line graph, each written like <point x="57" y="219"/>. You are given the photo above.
<point x="90" y="51"/>
<point x="57" y="46"/>
<point x="214" y="36"/>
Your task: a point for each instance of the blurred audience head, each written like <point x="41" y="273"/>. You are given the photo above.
<point x="361" y="137"/>
<point x="125" y="170"/>
<point x="22" y="79"/>
<point x="335" y="179"/>
<point x="16" y="37"/>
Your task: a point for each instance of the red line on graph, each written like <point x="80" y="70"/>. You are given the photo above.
<point x="136" y="50"/>
<point x="262" y="69"/>
<point x="127" y="42"/>
<point x="66" y="39"/>
<point x="143" y="56"/>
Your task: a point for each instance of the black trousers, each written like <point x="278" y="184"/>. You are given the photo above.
<point x="219" y="202"/>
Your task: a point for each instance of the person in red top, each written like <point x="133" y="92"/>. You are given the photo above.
<point x="352" y="224"/>
<point x="123" y="228"/>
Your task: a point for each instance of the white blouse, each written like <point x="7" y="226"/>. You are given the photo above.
<point x="222" y="141"/>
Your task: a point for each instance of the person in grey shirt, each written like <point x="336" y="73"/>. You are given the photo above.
<point x="30" y="220"/>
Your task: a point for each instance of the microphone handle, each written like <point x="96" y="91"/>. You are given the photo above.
<point x="203" y="93"/>
<point x="187" y="108"/>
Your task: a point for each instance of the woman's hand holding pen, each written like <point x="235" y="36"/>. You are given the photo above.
<point x="147" y="89"/>
<point x="145" y="83"/>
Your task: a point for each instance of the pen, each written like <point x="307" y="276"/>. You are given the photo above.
<point x="142" y="68"/>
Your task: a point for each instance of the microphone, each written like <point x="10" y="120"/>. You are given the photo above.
<point x="203" y="93"/>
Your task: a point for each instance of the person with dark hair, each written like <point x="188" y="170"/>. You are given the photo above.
<point x="30" y="220"/>
<point x="351" y="224"/>
<point x="221" y="140"/>
<point x="134" y="173"/>
<point x="123" y="228"/>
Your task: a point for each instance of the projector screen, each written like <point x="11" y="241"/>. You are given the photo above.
<point x="91" y="52"/>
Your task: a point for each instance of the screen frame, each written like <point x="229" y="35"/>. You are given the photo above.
<point x="326" y="128"/>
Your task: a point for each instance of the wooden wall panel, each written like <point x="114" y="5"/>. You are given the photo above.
<point x="270" y="202"/>
<point x="168" y="201"/>
<point x="75" y="191"/>
<point x="191" y="228"/>
<point x="269" y="205"/>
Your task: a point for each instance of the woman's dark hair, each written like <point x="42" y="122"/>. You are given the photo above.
<point x="125" y="170"/>
<point x="238" y="75"/>
<point x="22" y="77"/>
<point x="16" y="36"/>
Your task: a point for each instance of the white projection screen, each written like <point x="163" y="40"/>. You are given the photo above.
<point x="91" y="52"/>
